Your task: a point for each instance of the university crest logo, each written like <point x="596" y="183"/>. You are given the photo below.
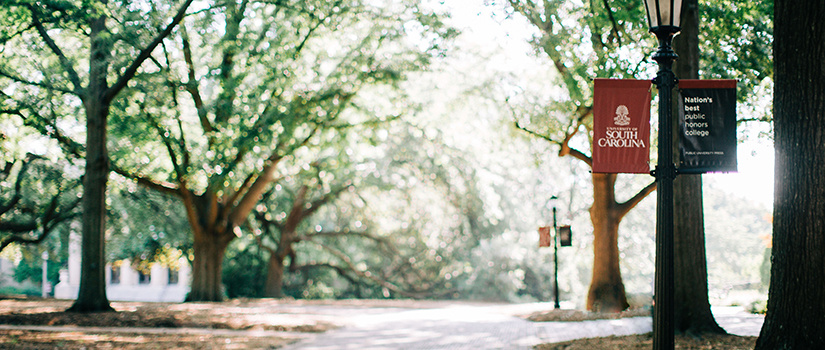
<point x="622" y="118"/>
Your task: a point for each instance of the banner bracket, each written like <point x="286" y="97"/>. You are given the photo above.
<point x="671" y="172"/>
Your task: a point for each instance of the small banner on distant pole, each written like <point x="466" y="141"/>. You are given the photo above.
<point x="621" y="126"/>
<point x="544" y="236"/>
<point x="565" y="236"/>
<point x="707" y="126"/>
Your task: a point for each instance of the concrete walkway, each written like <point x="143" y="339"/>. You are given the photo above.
<point x="480" y="327"/>
<point x="441" y="325"/>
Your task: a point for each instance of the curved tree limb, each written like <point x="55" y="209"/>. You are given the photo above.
<point x="615" y="30"/>
<point x="192" y="84"/>
<point x="16" y="197"/>
<point x="52" y="215"/>
<point x="317" y="204"/>
<point x="255" y="191"/>
<point x="369" y="275"/>
<point x="69" y="145"/>
<point x="340" y="270"/>
<point x="624" y="208"/>
<point x="161" y="186"/>
<point x="64" y="61"/>
<point x="167" y="142"/>
<point x="265" y="177"/>
<point x="37" y="84"/>
<point x="564" y="145"/>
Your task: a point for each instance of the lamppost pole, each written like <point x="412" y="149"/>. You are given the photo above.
<point x="663" y="17"/>
<point x="555" y="260"/>
<point x="45" y="291"/>
<point x="663" y="315"/>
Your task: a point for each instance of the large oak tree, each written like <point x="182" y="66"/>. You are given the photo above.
<point x="796" y="299"/>
<point x="248" y="94"/>
<point x="43" y="44"/>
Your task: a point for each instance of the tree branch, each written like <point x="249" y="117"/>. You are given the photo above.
<point x="624" y="208"/>
<point x="64" y="61"/>
<point x="69" y="145"/>
<point x="160" y="186"/>
<point x="53" y="215"/>
<point x="317" y="204"/>
<point x="18" y="226"/>
<point x="192" y="85"/>
<point x="229" y="200"/>
<point x="179" y="173"/>
<point x="340" y="270"/>
<point x="15" y="198"/>
<point x="615" y="29"/>
<point x="37" y="84"/>
<point x="367" y="274"/>
<point x="130" y="72"/>
<point x="565" y="148"/>
<point x="256" y="189"/>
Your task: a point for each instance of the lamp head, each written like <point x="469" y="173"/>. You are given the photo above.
<point x="553" y="202"/>
<point x="663" y="15"/>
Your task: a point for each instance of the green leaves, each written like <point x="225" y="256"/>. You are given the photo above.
<point x="736" y="42"/>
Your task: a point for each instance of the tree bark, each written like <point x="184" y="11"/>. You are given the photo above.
<point x="275" y="276"/>
<point x="92" y="293"/>
<point x="606" y="293"/>
<point x="288" y="237"/>
<point x="211" y="236"/>
<point x="207" y="266"/>
<point x="796" y="300"/>
<point x="692" y="307"/>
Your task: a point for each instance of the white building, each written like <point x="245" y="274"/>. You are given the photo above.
<point x="123" y="283"/>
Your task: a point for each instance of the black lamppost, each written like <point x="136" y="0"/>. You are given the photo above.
<point x="663" y="18"/>
<point x="556" y="305"/>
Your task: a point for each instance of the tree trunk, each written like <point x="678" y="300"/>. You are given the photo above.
<point x="212" y="233"/>
<point x="607" y="293"/>
<point x="692" y="307"/>
<point x="275" y="276"/>
<point x="289" y="236"/>
<point x="796" y="301"/>
<point x="207" y="265"/>
<point x="92" y="293"/>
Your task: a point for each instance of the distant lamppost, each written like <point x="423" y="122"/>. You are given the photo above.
<point x="553" y="202"/>
<point x="46" y="287"/>
<point x="663" y="19"/>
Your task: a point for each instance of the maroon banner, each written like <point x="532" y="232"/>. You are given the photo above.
<point x="544" y="236"/>
<point x="621" y="126"/>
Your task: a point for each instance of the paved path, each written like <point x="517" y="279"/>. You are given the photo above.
<point x="442" y="325"/>
<point x="479" y="327"/>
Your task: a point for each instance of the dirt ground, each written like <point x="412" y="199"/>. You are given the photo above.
<point x="233" y="324"/>
<point x="645" y="341"/>
<point x="259" y="324"/>
<point x="251" y="324"/>
<point x="634" y="342"/>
